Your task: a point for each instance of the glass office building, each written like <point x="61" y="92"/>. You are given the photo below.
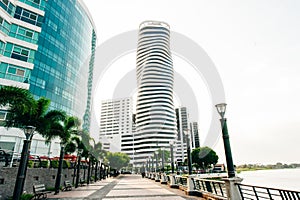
<point x="47" y="47"/>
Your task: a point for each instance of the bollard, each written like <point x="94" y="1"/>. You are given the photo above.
<point x="191" y="186"/>
<point x="173" y="181"/>
<point x="163" y="179"/>
<point x="232" y="189"/>
<point x="157" y="177"/>
<point x="152" y="176"/>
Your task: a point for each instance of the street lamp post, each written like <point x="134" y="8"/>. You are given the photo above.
<point x="101" y="169"/>
<point x="221" y="108"/>
<point x="156" y="161"/>
<point x="172" y="156"/>
<point x="163" y="159"/>
<point x="96" y="171"/>
<point x="149" y="164"/>
<point x="152" y="164"/>
<point x="78" y="167"/>
<point x="60" y="166"/>
<point x="28" y="130"/>
<point x="89" y="168"/>
<point x="188" y="151"/>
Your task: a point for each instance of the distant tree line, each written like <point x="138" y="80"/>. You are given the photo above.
<point x="278" y="165"/>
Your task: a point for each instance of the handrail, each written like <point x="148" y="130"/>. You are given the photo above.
<point x="211" y="186"/>
<point x="258" y="192"/>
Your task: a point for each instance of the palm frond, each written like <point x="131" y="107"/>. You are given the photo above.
<point x="42" y="106"/>
<point x="20" y="98"/>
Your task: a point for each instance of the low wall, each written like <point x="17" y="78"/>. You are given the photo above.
<point x="34" y="176"/>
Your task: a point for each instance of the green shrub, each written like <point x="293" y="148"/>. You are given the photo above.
<point x="50" y="188"/>
<point x="30" y="164"/>
<point x="66" y="164"/>
<point x="26" y="196"/>
<point x="45" y="164"/>
<point x="54" y="163"/>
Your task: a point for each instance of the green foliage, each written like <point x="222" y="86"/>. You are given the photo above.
<point x="45" y="163"/>
<point x="50" y="188"/>
<point x="166" y="154"/>
<point x="24" y="110"/>
<point x="117" y="160"/>
<point x="54" y="163"/>
<point x="66" y="164"/>
<point x="204" y="157"/>
<point x="26" y="196"/>
<point x="30" y="164"/>
<point x="17" y="99"/>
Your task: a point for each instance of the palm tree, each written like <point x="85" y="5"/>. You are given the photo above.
<point x="24" y="110"/>
<point x="63" y="128"/>
<point x="17" y="99"/>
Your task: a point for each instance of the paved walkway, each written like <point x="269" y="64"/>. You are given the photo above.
<point x="130" y="187"/>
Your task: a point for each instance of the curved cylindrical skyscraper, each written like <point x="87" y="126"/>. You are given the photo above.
<point x="155" y="115"/>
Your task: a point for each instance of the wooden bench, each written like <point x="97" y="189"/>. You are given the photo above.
<point x="40" y="191"/>
<point x="67" y="186"/>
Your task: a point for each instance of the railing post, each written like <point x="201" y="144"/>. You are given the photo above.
<point x="163" y="179"/>
<point x="157" y="177"/>
<point x="191" y="190"/>
<point x="232" y="189"/>
<point x="173" y="181"/>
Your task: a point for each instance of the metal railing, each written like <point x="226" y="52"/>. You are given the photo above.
<point x="257" y="192"/>
<point x="181" y="181"/>
<point x="211" y="186"/>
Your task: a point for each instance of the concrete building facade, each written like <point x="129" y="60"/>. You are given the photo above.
<point x="155" y="114"/>
<point x="116" y="125"/>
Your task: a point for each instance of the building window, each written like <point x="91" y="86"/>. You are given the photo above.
<point x="36" y="1"/>
<point x="24" y="32"/>
<point x="20" y="53"/>
<point x="15" y="71"/>
<point x="28" y="16"/>
<point x="2" y="115"/>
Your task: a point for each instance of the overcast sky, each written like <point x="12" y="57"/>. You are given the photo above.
<point x="255" y="48"/>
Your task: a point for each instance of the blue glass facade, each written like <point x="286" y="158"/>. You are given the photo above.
<point x="62" y="64"/>
<point x="48" y="47"/>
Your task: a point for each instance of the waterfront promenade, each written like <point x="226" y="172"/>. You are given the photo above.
<point x="128" y="187"/>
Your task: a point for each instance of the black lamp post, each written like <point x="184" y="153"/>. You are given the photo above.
<point x="78" y="167"/>
<point x="149" y="164"/>
<point x="18" y="190"/>
<point x="221" y="108"/>
<point x="163" y="159"/>
<point x="156" y="161"/>
<point x="60" y="166"/>
<point x="96" y="171"/>
<point x="189" y="161"/>
<point x="89" y="168"/>
<point x="101" y="169"/>
<point x="152" y="164"/>
<point x="172" y="156"/>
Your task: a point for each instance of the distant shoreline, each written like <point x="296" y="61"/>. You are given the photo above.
<point x="239" y="170"/>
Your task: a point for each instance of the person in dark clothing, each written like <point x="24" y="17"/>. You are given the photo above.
<point x="143" y="174"/>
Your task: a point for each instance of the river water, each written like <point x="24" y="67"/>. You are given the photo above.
<point x="276" y="178"/>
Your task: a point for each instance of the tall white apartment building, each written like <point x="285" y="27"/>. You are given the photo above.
<point x="155" y="114"/>
<point x="116" y="123"/>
